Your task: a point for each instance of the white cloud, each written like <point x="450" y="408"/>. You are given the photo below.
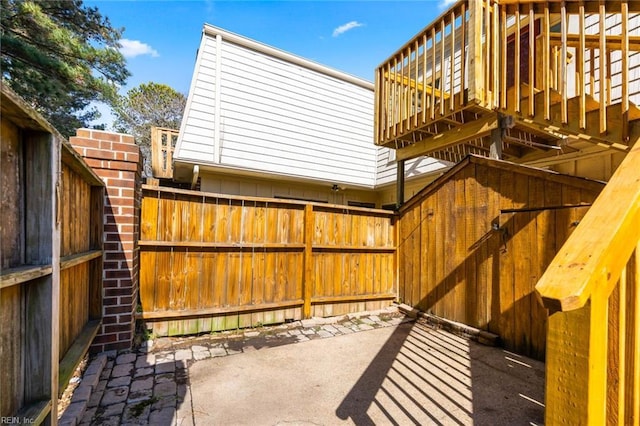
<point x="447" y="3"/>
<point x="346" y="27"/>
<point x="133" y="48"/>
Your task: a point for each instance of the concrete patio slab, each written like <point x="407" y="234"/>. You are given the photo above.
<point x="406" y="374"/>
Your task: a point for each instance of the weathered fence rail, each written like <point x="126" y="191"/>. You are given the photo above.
<point x="80" y="213"/>
<point x="213" y="262"/>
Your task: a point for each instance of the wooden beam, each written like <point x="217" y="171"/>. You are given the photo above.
<point x="204" y="245"/>
<point x="161" y="315"/>
<point x="602" y="66"/>
<point x="76" y="259"/>
<point x="76" y="352"/>
<point x="625" y="43"/>
<point x="14" y="276"/>
<point x="399" y="183"/>
<point x="474" y="32"/>
<point x="307" y="281"/>
<point x="352" y="298"/>
<point x="592" y="41"/>
<point x="473" y="130"/>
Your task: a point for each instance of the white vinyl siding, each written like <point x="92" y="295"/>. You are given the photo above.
<point x="196" y="141"/>
<point x="386" y="169"/>
<point x="284" y="119"/>
<point x="278" y="117"/>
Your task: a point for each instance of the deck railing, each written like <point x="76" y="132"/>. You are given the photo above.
<point x="592" y="288"/>
<point x="163" y="142"/>
<point x="567" y="71"/>
<point x="425" y="79"/>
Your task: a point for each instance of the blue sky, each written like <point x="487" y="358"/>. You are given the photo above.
<point x="161" y="38"/>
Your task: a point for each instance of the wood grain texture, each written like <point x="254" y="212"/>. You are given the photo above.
<point x="216" y="254"/>
<point x="455" y="264"/>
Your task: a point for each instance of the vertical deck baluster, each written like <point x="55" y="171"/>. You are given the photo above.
<point x="442" y="68"/>
<point x="495" y="42"/>
<point x="603" y="72"/>
<point x="597" y="384"/>
<point x="563" y="62"/>
<point x="624" y="11"/>
<point x="487" y="54"/>
<point x="463" y="52"/>
<point x="503" y="56"/>
<point x="424" y="78"/>
<point x="516" y="61"/>
<point x="378" y="95"/>
<point x="416" y="91"/>
<point x="622" y="344"/>
<point x="388" y="102"/>
<point x="635" y="333"/>
<point x="581" y="72"/>
<point x="403" y="92"/>
<point x="433" y="73"/>
<point x="453" y="59"/>
<point x="592" y="72"/>
<point x="545" y="63"/>
<point x="532" y="61"/>
<point x="396" y="101"/>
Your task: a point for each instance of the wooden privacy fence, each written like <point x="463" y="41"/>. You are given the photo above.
<point x="50" y="263"/>
<point x="213" y="262"/>
<point x="473" y="244"/>
<point x="592" y="289"/>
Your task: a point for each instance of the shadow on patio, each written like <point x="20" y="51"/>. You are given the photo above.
<point x="427" y="376"/>
<point x="409" y="374"/>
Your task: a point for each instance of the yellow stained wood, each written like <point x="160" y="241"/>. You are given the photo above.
<point x="532" y="60"/>
<point x="581" y="70"/>
<point x="588" y="259"/>
<point x="433" y="72"/>
<point x="621" y="362"/>
<point x="516" y="60"/>
<point x="463" y="51"/>
<point x="452" y="62"/>
<point x="633" y="339"/>
<point x="567" y="367"/>
<point x="442" y="68"/>
<point x="602" y="66"/>
<point x="546" y="50"/>
<point x="624" y="12"/>
<point x="455" y="136"/>
<point x="489" y="91"/>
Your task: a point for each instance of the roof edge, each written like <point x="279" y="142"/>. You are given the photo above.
<point x="211" y="30"/>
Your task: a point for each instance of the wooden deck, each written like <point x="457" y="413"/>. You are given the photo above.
<point x="492" y="78"/>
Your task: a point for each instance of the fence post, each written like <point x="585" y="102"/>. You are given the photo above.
<point x="307" y="282"/>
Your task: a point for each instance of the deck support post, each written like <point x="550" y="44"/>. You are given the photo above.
<point x="400" y="184"/>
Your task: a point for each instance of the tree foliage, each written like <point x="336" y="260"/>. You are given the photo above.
<point x="148" y="105"/>
<point x="60" y="56"/>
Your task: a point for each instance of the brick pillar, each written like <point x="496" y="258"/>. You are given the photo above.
<point x="116" y="159"/>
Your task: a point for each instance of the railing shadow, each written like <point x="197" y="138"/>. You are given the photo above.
<point x="427" y="376"/>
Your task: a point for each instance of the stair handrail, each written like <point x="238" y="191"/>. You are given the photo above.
<point x="593" y="338"/>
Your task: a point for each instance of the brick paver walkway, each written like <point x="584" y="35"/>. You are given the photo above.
<point x="151" y="386"/>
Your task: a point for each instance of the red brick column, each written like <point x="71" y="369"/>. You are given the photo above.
<point x="116" y="159"/>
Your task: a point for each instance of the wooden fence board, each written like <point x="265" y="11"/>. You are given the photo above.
<point x="481" y="237"/>
<point x="250" y="252"/>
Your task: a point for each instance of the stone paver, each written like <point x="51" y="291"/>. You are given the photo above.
<point x="151" y="385"/>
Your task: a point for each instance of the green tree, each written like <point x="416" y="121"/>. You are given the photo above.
<point x="60" y="56"/>
<point x="148" y="105"/>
